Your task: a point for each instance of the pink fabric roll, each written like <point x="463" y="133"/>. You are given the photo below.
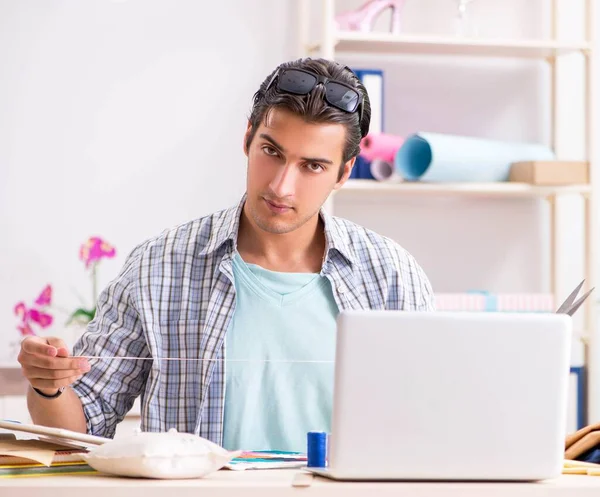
<point x="380" y="146"/>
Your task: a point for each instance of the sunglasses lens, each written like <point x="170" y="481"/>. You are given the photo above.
<point x="297" y="82"/>
<point x="342" y="96"/>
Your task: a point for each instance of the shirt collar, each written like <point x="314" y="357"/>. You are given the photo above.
<point x="224" y="228"/>
<point x="336" y="237"/>
<point x="226" y="225"/>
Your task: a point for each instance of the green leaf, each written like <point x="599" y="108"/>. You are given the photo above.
<point x="82" y="315"/>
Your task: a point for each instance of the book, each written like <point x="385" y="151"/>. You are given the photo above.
<point x="18" y="451"/>
<point x="60" y="456"/>
<point x="26" y="470"/>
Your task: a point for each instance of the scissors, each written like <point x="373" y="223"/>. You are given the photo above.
<point x="568" y="306"/>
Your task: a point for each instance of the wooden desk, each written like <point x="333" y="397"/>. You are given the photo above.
<point x="278" y="483"/>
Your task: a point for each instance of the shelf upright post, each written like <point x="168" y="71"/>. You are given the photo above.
<point x="591" y="226"/>
<point x="555" y="256"/>
<point x="328" y="41"/>
<point x="303" y="27"/>
<point x="328" y="38"/>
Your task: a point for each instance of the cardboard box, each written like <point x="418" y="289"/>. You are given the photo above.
<point x="550" y="172"/>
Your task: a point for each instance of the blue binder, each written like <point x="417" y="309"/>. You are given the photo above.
<point x="361" y="169"/>
<point x="373" y="81"/>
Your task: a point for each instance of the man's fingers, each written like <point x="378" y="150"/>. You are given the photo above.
<point x="59" y="345"/>
<point x="37" y="345"/>
<point x="64" y="363"/>
<point x="46" y="364"/>
<point x="56" y="342"/>
<point x="33" y="373"/>
<point x="50" y="346"/>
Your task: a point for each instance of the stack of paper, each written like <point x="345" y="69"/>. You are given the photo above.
<point x="267" y="460"/>
<point x="37" y="458"/>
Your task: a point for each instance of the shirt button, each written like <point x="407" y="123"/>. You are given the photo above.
<point x="341" y="289"/>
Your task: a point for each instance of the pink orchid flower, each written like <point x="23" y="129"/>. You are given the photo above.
<point x="45" y="298"/>
<point x="21" y="310"/>
<point x="94" y="250"/>
<point x="25" y="330"/>
<point x="34" y="315"/>
<point x="41" y="318"/>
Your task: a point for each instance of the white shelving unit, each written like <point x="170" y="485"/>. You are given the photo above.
<point x="472" y="189"/>
<point x="383" y="43"/>
<point x="330" y="43"/>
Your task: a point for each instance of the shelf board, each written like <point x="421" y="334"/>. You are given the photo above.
<point x="350" y="41"/>
<point x="501" y="189"/>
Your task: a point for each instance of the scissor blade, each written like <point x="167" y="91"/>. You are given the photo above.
<point x="577" y="304"/>
<point x="567" y="304"/>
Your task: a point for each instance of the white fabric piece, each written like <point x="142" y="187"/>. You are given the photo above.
<point x="169" y="455"/>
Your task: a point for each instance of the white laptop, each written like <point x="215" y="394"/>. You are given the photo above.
<point x="449" y="396"/>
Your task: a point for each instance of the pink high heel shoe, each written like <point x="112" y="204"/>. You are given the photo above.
<point x="363" y="18"/>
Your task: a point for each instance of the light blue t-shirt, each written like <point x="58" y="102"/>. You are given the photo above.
<point x="278" y="316"/>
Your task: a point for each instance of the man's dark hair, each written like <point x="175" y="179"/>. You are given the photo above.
<point x="313" y="108"/>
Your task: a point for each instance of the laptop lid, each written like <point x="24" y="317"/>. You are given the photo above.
<point x="450" y="395"/>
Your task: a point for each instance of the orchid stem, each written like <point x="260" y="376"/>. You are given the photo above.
<point x="94" y="286"/>
<point x="59" y="308"/>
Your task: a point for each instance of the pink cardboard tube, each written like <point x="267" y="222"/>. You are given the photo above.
<point x="380" y="146"/>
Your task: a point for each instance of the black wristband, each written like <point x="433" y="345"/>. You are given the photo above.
<point x="54" y="396"/>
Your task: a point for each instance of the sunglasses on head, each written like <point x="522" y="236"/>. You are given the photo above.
<point x="302" y="82"/>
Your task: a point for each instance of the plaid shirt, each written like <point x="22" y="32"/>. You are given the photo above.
<point x="175" y="297"/>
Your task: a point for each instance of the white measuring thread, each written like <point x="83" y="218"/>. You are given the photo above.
<point x="131" y="358"/>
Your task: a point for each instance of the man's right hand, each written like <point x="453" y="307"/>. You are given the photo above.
<point x="45" y="362"/>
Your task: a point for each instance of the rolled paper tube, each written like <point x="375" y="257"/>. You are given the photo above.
<point x="380" y="146"/>
<point x="448" y="158"/>
<point x="383" y="170"/>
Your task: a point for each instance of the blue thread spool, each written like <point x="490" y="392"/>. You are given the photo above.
<point x="316" y="453"/>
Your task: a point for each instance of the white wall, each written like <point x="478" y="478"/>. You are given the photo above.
<point x="119" y="118"/>
<point x="122" y="118"/>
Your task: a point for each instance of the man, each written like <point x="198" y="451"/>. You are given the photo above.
<point x="228" y="321"/>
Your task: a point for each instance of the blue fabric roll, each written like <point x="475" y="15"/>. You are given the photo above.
<point x="449" y="158"/>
